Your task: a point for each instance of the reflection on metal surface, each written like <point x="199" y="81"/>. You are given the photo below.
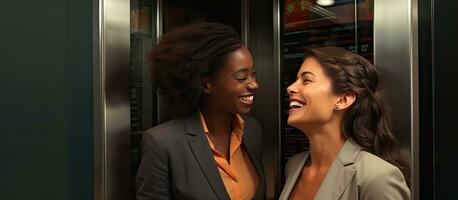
<point x="159" y="32"/>
<point x="395" y="49"/>
<point x="262" y="31"/>
<point x="99" y="104"/>
<point x="325" y="2"/>
<point x="111" y="100"/>
<point x="415" y="148"/>
<point x="245" y="22"/>
<point x="277" y="63"/>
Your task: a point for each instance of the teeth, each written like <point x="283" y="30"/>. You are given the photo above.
<point x="296" y="103"/>
<point x="247" y="98"/>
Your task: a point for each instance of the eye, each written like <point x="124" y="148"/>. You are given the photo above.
<point x="306" y="81"/>
<point x="241" y="78"/>
<point x="253" y="74"/>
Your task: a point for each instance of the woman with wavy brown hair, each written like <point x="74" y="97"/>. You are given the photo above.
<point x="353" y="153"/>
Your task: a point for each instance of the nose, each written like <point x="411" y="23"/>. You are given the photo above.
<point x="253" y="84"/>
<point x="292" y="89"/>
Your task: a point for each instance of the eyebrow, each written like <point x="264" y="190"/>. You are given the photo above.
<point x="244" y="69"/>
<point x="305" y="73"/>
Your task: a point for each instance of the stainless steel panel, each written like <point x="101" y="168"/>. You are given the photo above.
<point x="277" y="63"/>
<point x="395" y="56"/>
<point x="263" y="42"/>
<point x="111" y="100"/>
<point x="245" y="21"/>
<point x="159" y="31"/>
<point x="415" y="117"/>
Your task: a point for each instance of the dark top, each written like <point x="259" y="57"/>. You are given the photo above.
<point x="177" y="162"/>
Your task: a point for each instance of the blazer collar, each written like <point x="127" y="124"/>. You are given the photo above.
<point x="192" y="124"/>
<point x="341" y="172"/>
<point x="202" y="152"/>
<point x="247" y="143"/>
<point x="338" y="178"/>
<point x="295" y="174"/>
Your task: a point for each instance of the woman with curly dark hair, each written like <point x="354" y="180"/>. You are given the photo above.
<point x="353" y="152"/>
<point x="211" y="150"/>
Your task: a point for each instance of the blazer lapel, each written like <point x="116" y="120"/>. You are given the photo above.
<point x="247" y="144"/>
<point x="341" y="173"/>
<point x="202" y="152"/>
<point x="293" y="173"/>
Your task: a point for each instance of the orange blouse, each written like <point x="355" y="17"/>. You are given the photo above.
<point x="239" y="176"/>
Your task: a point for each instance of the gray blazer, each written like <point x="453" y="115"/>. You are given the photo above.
<point x="177" y="162"/>
<point x="354" y="174"/>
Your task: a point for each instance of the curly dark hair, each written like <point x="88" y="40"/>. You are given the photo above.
<point x="367" y="121"/>
<point x="184" y="55"/>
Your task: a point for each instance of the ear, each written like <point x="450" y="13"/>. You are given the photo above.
<point x="206" y="85"/>
<point x="345" y="101"/>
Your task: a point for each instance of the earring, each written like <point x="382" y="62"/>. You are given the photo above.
<point x="336" y="107"/>
<point x="206" y="91"/>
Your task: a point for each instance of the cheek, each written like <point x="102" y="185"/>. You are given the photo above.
<point x="233" y="89"/>
<point x="320" y="105"/>
<point x="228" y="93"/>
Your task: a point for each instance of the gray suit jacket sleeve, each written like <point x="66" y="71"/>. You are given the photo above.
<point x="385" y="183"/>
<point x="153" y="176"/>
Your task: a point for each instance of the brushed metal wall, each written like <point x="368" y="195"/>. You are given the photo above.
<point x="264" y="45"/>
<point x="111" y="99"/>
<point x="395" y="56"/>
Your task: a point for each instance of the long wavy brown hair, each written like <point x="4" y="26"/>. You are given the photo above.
<point x="367" y="121"/>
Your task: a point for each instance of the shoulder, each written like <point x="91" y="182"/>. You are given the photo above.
<point x="166" y="129"/>
<point x="165" y="133"/>
<point x="378" y="178"/>
<point x="370" y="165"/>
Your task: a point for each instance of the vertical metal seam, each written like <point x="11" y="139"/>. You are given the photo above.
<point x="104" y="114"/>
<point x="414" y="148"/>
<point x="103" y="101"/>
<point x="433" y="93"/>
<point x="276" y="58"/>
<point x="99" y="114"/>
<point x="245" y="22"/>
<point x="159" y="32"/>
<point x="356" y="26"/>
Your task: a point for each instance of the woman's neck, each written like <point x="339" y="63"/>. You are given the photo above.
<point x="218" y="123"/>
<point x="325" y="143"/>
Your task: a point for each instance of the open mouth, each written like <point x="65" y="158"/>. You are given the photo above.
<point x="247" y="99"/>
<point x="295" y="104"/>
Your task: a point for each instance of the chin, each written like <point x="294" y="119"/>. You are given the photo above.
<point x="293" y="122"/>
<point x="243" y="110"/>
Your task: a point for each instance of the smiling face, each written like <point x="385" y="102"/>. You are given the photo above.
<point x="311" y="98"/>
<point x="232" y="88"/>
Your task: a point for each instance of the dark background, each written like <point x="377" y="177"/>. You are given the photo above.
<point x="437" y="35"/>
<point x="46" y="112"/>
